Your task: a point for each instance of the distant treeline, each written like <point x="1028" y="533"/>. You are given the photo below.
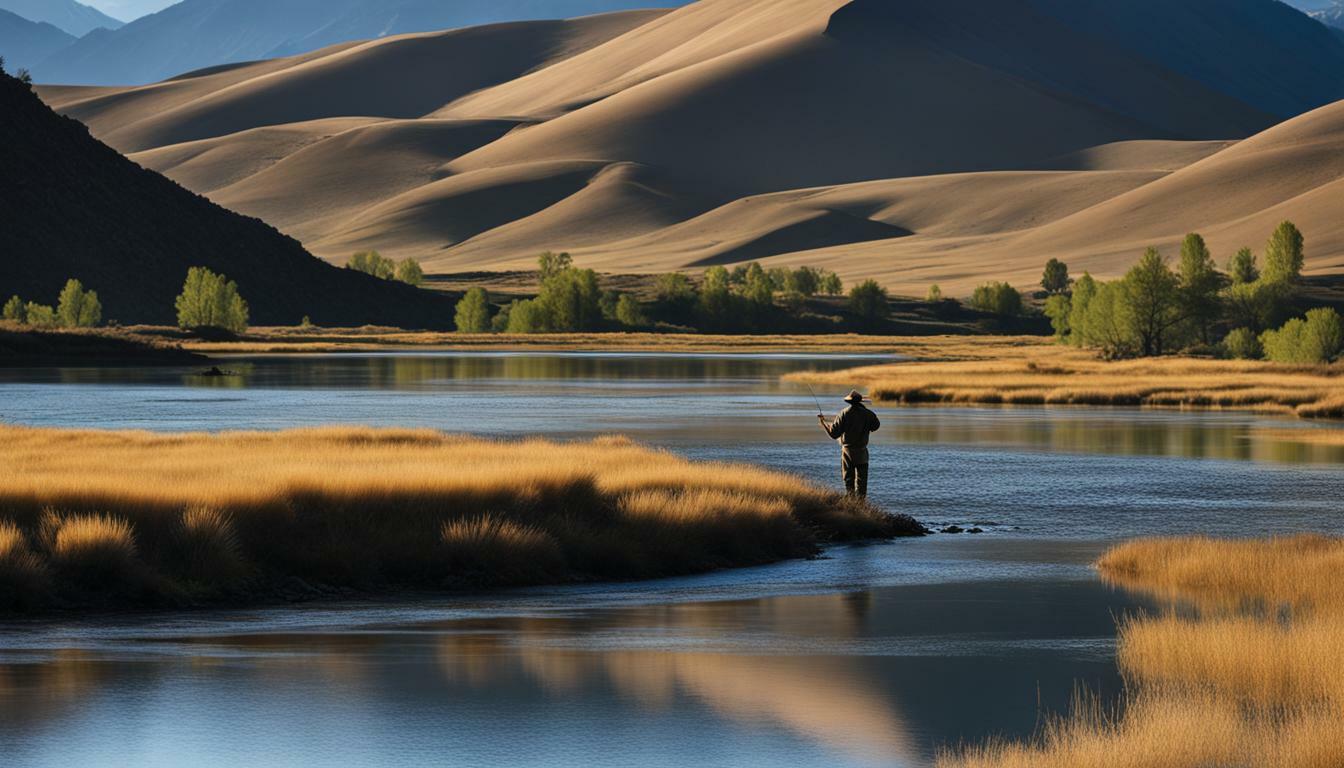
<point x="1244" y="312"/>
<point x="748" y="298"/>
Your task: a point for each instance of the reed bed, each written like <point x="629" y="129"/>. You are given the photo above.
<point x="1018" y="372"/>
<point x="1242" y="668"/>
<point x="118" y="517"/>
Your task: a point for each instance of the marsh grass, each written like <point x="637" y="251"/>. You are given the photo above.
<point x="1242" y="668"/>
<point x="233" y="515"/>
<point x="1020" y="372"/>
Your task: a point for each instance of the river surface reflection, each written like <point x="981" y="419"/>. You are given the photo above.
<point x="874" y="655"/>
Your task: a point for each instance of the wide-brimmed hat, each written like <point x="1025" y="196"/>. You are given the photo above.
<point x="854" y="397"/>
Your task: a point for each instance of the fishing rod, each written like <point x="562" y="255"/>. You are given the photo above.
<point x="814" y="399"/>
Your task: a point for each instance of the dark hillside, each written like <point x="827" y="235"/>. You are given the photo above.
<point x="71" y="206"/>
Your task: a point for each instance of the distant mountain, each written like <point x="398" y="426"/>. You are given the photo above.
<point x="1332" y="17"/>
<point x="74" y="207"/>
<point x="74" y="18"/>
<point x="195" y="34"/>
<point x="23" y="43"/>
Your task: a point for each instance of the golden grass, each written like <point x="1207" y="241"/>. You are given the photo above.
<point x="1036" y="372"/>
<point x="1243" y="669"/>
<point x="352" y="506"/>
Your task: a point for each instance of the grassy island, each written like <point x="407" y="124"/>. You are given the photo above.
<point x="129" y="518"/>
<point x="1033" y="371"/>
<point x="1242" y="668"/>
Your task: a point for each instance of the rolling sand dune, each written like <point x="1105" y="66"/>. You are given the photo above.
<point x="914" y="142"/>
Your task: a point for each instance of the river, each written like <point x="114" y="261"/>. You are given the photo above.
<point x="873" y="655"/>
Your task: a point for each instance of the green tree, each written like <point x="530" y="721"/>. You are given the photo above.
<point x="674" y="288"/>
<point x="830" y="284"/>
<point x="999" y="299"/>
<point x="1243" y="344"/>
<point x="1107" y="322"/>
<point x="630" y="313"/>
<point x="780" y="278"/>
<point x="410" y="273"/>
<point x="716" y="305"/>
<point x="1242" y="269"/>
<point x="1319" y="338"/>
<point x="804" y="281"/>
<point x="14" y="310"/>
<point x="1056" y="277"/>
<point x="78" y="308"/>
<point x="551" y="264"/>
<point x="1151" y="293"/>
<point x="869" y="301"/>
<point x="1284" y="256"/>
<point x="211" y="300"/>
<point x="526" y="317"/>
<point x="759" y="291"/>
<point x="1084" y="289"/>
<point x="570" y="300"/>
<point x="372" y="263"/>
<point x="1058" y="308"/>
<point x="934" y="295"/>
<point x="472" y="314"/>
<point x="500" y="322"/>
<point x="40" y="315"/>
<point x="1201" y="287"/>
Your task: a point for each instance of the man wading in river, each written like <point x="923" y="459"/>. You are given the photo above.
<point x="852" y="428"/>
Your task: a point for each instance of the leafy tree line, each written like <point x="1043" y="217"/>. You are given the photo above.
<point x="407" y="270"/>
<point x="75" y="308"/>
<point x="748" y="297"/>
<point x="1156" y="309"/>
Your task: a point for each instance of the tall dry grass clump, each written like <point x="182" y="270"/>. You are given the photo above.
<point x="235" y="515"/>
<point x="1241" y="668"/>
<point x="1039" y="373"/>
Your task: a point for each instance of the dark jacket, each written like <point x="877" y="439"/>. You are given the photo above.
<point x="852" y="428"/>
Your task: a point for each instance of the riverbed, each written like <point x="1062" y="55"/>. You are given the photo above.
<point x="874" y="655"/>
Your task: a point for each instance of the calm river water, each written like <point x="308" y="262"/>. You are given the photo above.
<point x="875" y="655"/>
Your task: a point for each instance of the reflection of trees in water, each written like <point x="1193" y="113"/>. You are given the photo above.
<point x="1097" y="433"/>
<point x="830" y="700"/>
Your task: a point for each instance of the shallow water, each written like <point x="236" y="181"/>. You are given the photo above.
<point x="874" y="655"/>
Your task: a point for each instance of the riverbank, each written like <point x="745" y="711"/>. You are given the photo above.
<point x="28" y="347"/>
<point x="1241" y="669"/>
<point x="117" y="519"/>
<point x="1030" y="371"/>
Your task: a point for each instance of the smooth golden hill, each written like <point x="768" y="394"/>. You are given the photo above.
<point x="914" y="144"/>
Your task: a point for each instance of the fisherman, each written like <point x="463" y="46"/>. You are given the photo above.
<point x="852" y="428"/>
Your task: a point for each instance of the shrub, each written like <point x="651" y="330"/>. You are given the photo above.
<point x="373" y="263"/>
<point x="999" y="299"/>
<point x="473" y="312"/>
<point x="15" y="310"/>
<point x="306" y="323"/>
<point x="95" y="550"/>
<point x="209" y="300"/>
<point x="868" y="300"/>
<point x="487" y="548"/>
<point x="1319" y="338"/>
<point x="570" y="300"/>
<point x="934" y="295"/>
<point x="1056" y="277"/>
<point x="40" y="315"/>
<point x="207" y="547"/>
<point x="77" y="307"/>
<point x="629" y="312"/>
<point x="1243" y="344"/>
<point x="23" y="576"/>
<point x="500" y="322"/>
<point x="410" y="273"/>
